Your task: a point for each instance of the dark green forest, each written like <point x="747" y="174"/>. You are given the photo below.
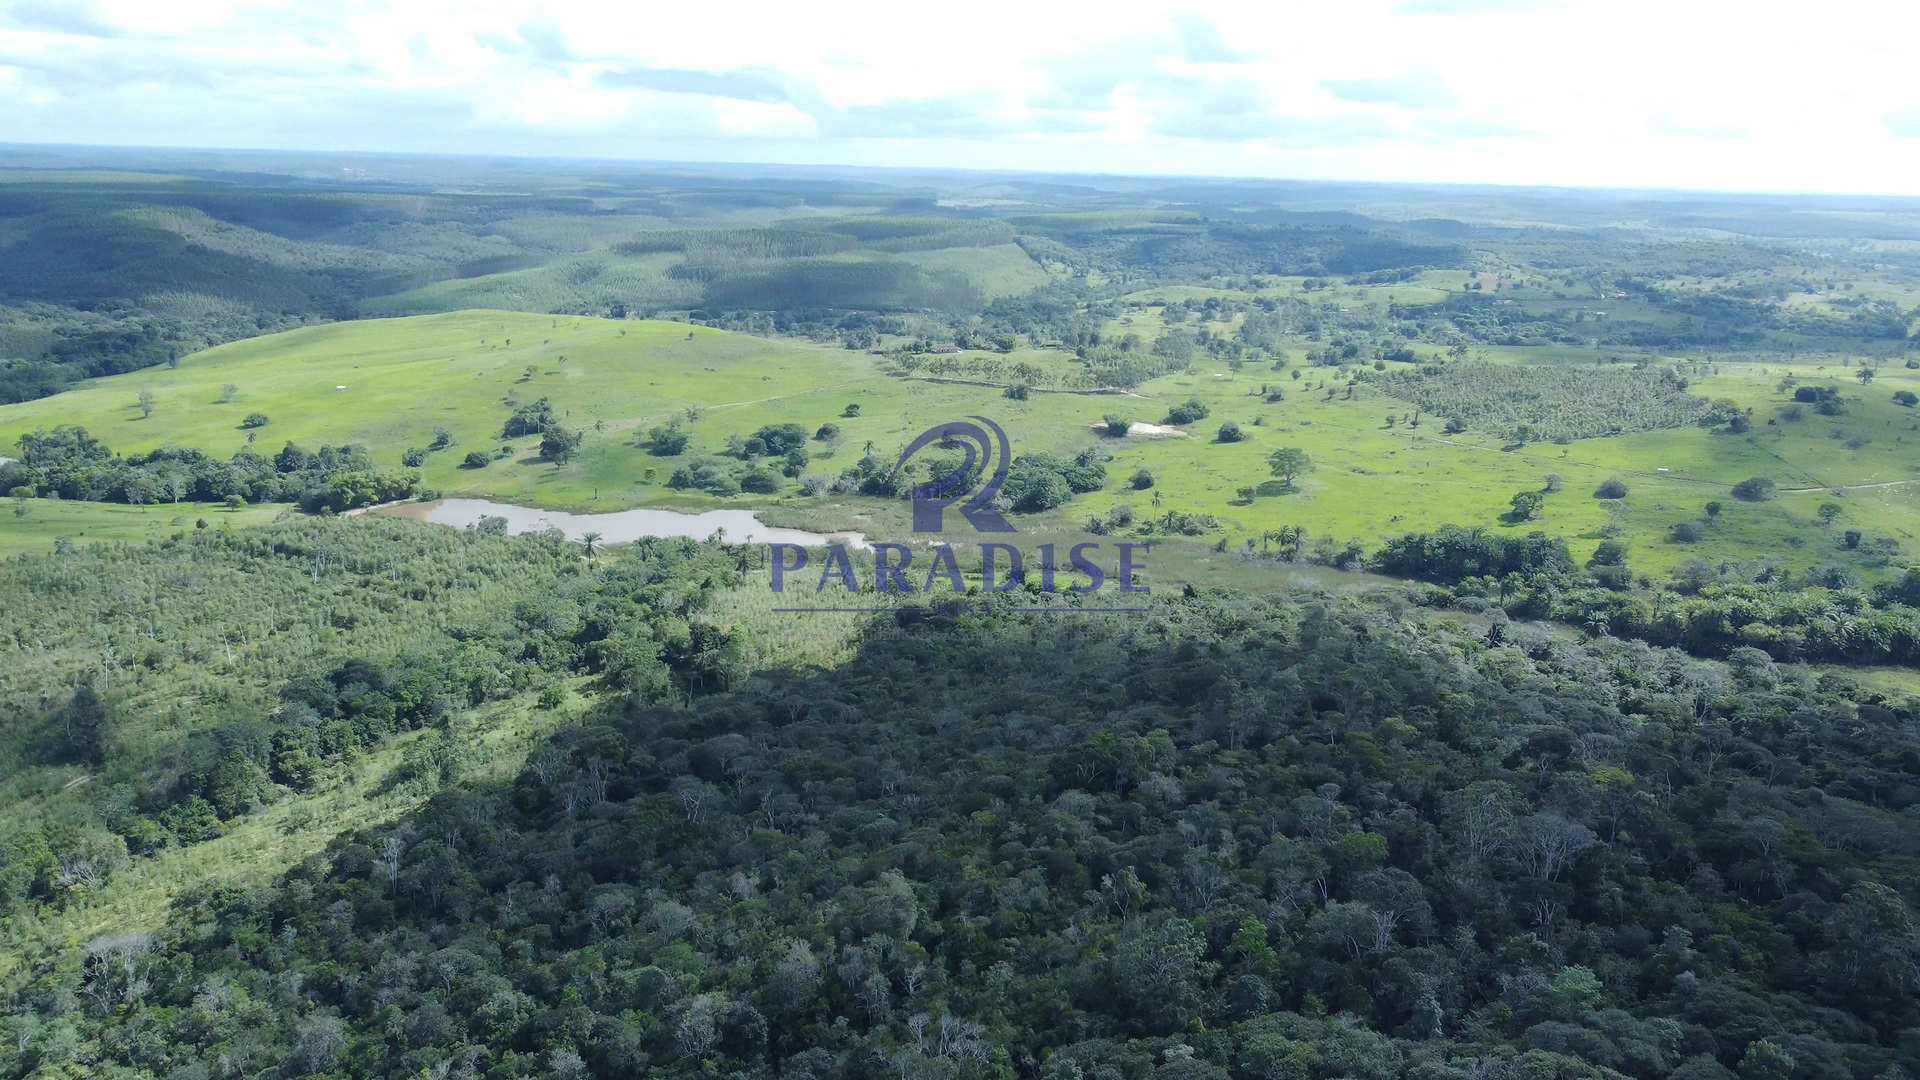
<point x="1715" y="610"/>
<point x="1304" y="836"/>
<point x="71" y="464"/>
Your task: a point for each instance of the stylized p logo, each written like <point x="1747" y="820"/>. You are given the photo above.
<point x="985" y="446"/>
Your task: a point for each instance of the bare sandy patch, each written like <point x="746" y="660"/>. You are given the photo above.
<point x="1138" y="430"/>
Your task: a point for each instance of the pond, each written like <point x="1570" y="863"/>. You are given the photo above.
<point x="620" y="526"/>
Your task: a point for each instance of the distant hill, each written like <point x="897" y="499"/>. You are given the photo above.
<point x="106" y="275"/>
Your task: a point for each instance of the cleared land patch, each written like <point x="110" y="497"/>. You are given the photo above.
<point x="1557" y="403"/>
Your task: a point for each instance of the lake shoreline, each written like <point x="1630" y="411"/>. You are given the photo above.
<point x="617" y="526"/>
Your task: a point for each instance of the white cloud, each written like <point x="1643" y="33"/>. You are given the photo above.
<point x="1641" y="93"/>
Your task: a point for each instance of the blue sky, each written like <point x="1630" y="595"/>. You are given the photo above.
<point x="1748" y="96"/>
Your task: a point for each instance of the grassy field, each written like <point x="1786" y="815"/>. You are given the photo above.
<point x="404" y="377"/>
<point x="49" y="520"/>
<point x="596" y="277"/>
<point x="1373" y="481"/>
<point x="999" y="270"/>
<point x="614" y="380"/>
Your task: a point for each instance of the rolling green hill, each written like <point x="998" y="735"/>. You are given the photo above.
<point x="1376" y="474"/>
<point x="109" y="272"/>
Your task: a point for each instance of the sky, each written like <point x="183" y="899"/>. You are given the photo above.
<point x="1750" y="96"/>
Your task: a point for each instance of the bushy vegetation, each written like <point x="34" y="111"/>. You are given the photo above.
<point x="1037" y="482"/>
<point x="1555" y="403"/>
<point x="1191" y="411"/>
<point x="1824" y="615"/>
<point x="226" y="671"/>
<point x="1451" y="555"/>
<point x="71" y="464"/>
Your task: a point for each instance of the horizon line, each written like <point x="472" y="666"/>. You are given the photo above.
<point x="665" y="163"/>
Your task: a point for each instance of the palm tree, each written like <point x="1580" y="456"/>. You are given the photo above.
<point x="1291" y="538"/>
<point x="590" y="539"/>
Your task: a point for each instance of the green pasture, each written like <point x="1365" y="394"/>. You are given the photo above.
<point x="595" y="278"/>
<point x="47" y="521"/>
<point x="616" y="379"/>
<point x="1372" y="481"/>
<point x="999" y="270"/>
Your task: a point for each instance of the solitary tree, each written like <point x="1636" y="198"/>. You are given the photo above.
<point x="1289" y="462"/>
<point x="558" y="444"/>
<point x="592" y="541"/>
<point x="145" y="400"/>
<point x="84" y="725"/>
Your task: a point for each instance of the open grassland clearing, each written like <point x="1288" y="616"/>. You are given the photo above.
<point x="1375" y="476"/>
<point x="593" y="280"/>
<point x="48" y="521"/>
<point x="872" y="262"/>
<point x="1373" y="480"/>
<point x="999" y="270"/>
<point x="389" y="384"/>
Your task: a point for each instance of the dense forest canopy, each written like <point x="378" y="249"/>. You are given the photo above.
<point x="1298" y="837"/>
